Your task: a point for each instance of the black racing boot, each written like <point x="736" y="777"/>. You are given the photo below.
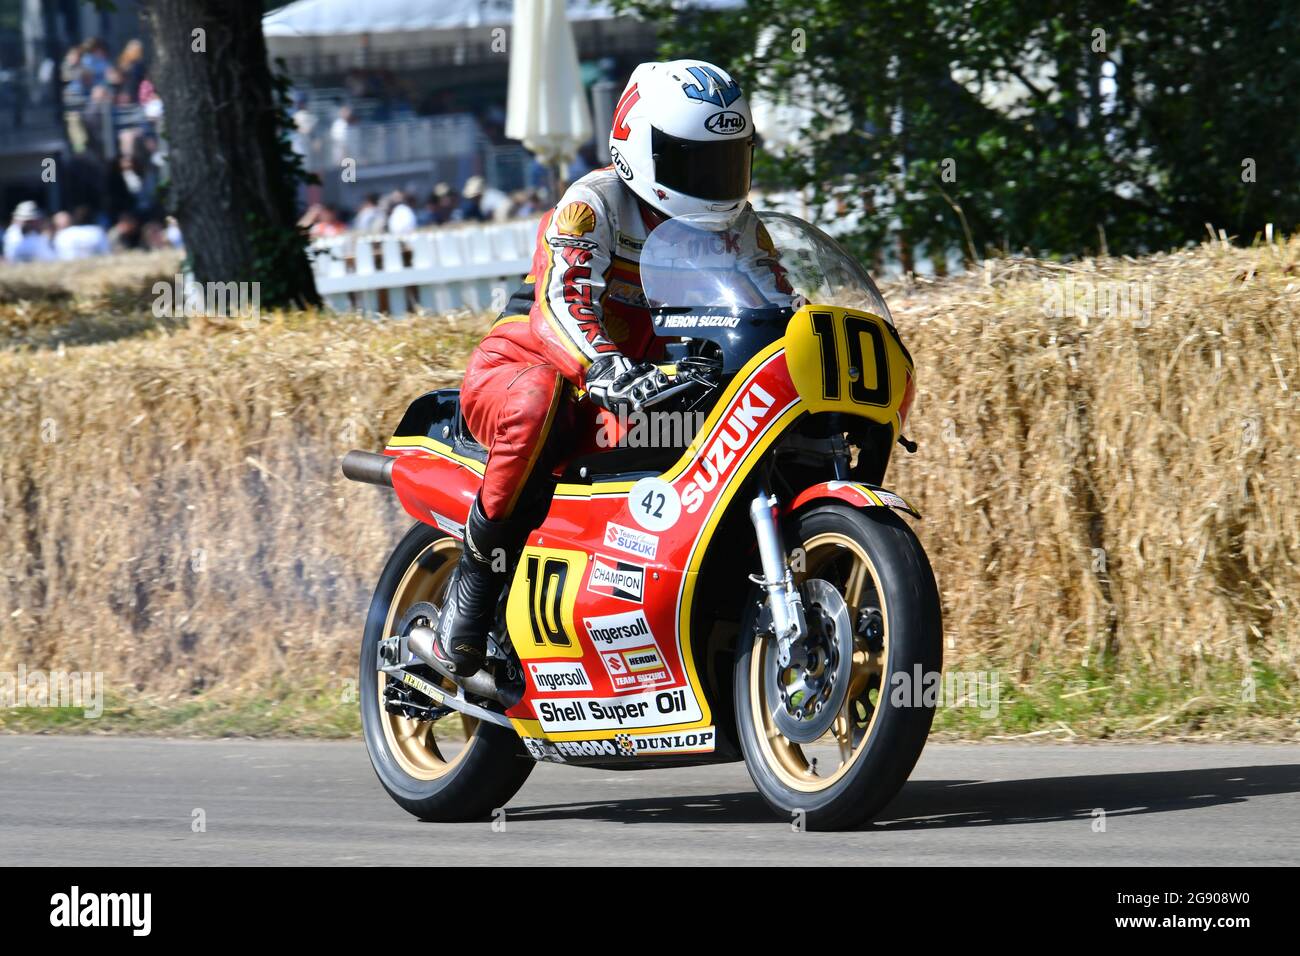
<point x="476" y="584"/>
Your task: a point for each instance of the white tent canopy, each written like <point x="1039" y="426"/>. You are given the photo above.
<point x="321" y="18"/>
<point x="341" y="17"/>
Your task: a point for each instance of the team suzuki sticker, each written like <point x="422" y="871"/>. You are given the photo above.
<point x="617" y="579"/>
<point x="636" y="668"/>
<point x="558" y="676"/>
<point x="642" y="710"/>
<point x="631" y="540"/>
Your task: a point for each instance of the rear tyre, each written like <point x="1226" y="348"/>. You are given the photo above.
<point x="452" y="768"/>
<point x="874" y="560"/>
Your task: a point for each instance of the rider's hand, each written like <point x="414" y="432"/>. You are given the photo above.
<point x="613" y="381"/>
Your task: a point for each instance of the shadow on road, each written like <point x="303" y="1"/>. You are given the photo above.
<point x="935" y="804"/>
<point x="930" y="804"/>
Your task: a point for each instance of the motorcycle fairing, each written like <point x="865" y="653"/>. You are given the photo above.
<point x="577" y="597"/>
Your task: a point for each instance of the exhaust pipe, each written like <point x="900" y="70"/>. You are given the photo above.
<point x="368" y="467"/>
<point x="483" y="684"/>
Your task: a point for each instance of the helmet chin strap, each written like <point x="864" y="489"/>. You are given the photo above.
<point x="650" y="216"/>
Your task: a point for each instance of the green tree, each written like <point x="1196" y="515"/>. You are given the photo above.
<point x="233" y="177"/>
<point x="1053" y="127"/>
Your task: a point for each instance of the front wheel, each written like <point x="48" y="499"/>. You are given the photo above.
<point x="831" y="737"/>
<point x="450" y="766"/>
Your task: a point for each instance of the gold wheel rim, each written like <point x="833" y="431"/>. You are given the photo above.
<point x="853" y="727"/>
<point x="413" y="743"/>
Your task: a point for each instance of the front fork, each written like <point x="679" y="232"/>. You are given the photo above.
<point x="784" y="603"/>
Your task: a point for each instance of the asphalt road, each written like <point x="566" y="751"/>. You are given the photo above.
<point x="88" y="801"/>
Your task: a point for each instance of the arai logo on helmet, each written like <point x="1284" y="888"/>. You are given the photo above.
<point x="622" y="165"/>
<point x="725" y="123"/>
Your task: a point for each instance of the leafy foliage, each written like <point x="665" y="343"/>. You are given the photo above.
<point x="1063" y="127"/>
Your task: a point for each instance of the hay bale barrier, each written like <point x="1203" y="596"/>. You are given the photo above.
<point x="1109" y="493"/>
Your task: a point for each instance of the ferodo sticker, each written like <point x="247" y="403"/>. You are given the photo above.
<point x="540" y="749"/>
<point x="595" y="713"/>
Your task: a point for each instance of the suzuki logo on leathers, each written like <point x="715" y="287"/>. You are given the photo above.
<point x="733" y="438"/>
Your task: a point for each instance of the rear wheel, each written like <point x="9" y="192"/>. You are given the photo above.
<point x="823" y="736"/>
<point x="451" y="767"/>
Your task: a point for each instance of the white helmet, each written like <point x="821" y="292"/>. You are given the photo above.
<point x="683" y="140"/>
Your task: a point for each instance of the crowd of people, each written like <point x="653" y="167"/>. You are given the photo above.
<point x="401" y="211"/>
<point x="110" y="183"/>
<point x="34" y="237"/>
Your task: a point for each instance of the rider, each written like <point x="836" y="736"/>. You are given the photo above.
<point x="681" y="144"/>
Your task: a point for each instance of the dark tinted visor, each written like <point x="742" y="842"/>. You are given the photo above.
<point x="717" y="170"/>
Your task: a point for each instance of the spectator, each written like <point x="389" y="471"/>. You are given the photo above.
<point x="97" y="117"/>
<point x="83" y="239"/>
<point x="370" y="217"/>
<point x="23" y="214"/>
<point x="131" y="68"/>
<point x="94" y="58"/>
<point x="154" y="236"/>
<point x="304" y="128"/>
<point x="149" y="100"/>
<point x="342" y="133"/>
<point x="322" y="222"/>
<point x="134" y="187"/>
<point x="495" y="204"/>
<point x="401" y="217"/>
<point x="427" y="215"/>
<point x="471" y="206"/>
<point x="125" y="236"/>
<point x="34" y="246"/>
<point x="445" y="201"/>
<point x="27" y="219"/>
<point x="173" y="233"/>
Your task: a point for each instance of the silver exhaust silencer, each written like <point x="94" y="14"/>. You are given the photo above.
<point x="420" y="643"/>
<point x="368" y="467"/>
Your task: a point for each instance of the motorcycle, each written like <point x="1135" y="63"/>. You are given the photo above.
<point x="747" y="591"/>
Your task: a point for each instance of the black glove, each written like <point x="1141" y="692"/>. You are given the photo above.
<point x="613" y="381"/>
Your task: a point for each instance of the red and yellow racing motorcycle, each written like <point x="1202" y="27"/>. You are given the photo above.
<point x="743" y="589"/>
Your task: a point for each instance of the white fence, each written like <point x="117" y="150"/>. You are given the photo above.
<point x="453" y="267"/>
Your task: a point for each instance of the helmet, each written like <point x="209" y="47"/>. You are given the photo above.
<point x="683" y="140"/>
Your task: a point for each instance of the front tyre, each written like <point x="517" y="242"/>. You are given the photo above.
<point x="452" y="767"/>
<point x="845" y="777"/>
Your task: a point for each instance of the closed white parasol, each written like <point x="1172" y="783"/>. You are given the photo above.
<point x="547" y="107"/>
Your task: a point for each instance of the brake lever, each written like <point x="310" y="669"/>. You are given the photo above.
<point x="666" y="393"/>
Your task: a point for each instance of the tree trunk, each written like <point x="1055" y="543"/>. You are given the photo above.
<point x="232" y="176"/>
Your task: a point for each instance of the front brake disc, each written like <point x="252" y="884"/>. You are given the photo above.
<point x="805" y="699"/>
